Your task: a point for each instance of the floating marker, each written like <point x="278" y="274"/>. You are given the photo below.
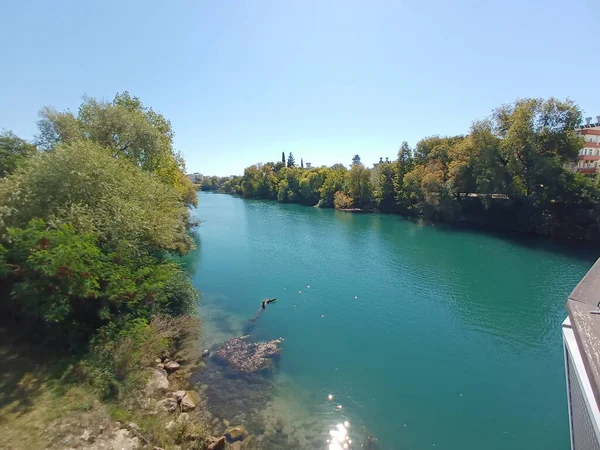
<point x="340" y="407"/>
<point x="330" y="397"/>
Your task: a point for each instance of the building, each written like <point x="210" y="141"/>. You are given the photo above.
<point x="589" y="155"/>
<point x="581" y="338"/>
<point x="307" y="165"/>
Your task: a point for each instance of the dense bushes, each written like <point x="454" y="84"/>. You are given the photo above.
<point x="87" y="226"/>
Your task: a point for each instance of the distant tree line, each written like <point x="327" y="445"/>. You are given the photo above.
<point x="512" y="171"/>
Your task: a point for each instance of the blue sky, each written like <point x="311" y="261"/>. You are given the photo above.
<point x="243" y="81"/>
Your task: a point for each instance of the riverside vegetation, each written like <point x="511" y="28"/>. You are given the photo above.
<point x="510" y="172"/>
<point x="91" y="217"/>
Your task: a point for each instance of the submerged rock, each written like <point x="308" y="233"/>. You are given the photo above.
<point x="248" y="357"/>
<point x="237" y="433"/>
<point x="206" y="353"/>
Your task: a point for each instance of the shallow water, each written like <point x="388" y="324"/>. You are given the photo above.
<point x="426" y="336"/>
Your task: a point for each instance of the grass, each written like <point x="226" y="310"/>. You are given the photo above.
<point x="47" y="400"/>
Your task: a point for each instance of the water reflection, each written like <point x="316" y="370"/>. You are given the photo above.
<point x="339" y="437"/>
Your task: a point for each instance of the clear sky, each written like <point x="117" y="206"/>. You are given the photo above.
<point x="242" y="81"/>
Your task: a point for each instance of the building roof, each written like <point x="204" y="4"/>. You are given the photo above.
<point x="582" y="306"/>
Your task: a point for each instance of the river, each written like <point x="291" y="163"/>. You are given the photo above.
<point x="427" y="337"/>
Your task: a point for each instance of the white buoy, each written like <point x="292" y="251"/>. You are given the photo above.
<point x="330" y="397"/>
<point x="340" y="407"/>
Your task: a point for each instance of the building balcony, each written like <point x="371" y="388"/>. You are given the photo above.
<point x="591" y="145"/>
<point x="589" y="157"/>
<point x="586" y="170"/>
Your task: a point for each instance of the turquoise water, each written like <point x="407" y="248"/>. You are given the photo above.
<point x="428" y="337"/>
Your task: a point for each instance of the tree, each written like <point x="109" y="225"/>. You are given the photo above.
<point x="356" y="160"/>
<point x="291" y="162"/>
<point x="13" y="151"/>
<point x="333" y="182"/>
<point x="83" y="185"/>
<point x="382" y="181"/>
<point x="283" y="158"/>
<point x="129" y="129"/>
<point x="301" y="163"/>
<point x="358" y="185"/>
<point x="404" y="164"/>
<point x="342" y="201"/>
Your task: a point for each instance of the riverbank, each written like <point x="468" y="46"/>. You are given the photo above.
<point x="47" y="398"/>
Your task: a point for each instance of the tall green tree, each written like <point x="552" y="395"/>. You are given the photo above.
<point x="291" y="162"/>
<point x="301" y="163"/>
<point x="403" y="165"/>
<point x="283" y="158"/>
<point x="356" y="160"/>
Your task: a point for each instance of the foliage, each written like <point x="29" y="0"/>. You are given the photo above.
<point x="64" y="279"/>
<point x="510" y="171"/>
<point x="13" y="152"/>
<point x="84" y="185"/>
<point x="342" y="200"/>
<point x="128" y="129"/>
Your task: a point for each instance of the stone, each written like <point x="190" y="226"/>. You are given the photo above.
<point x="168" y="404"/>
<point x="124" y="441"/>
<point x="158" y="383"/>
<point x="189" y="401"/>
<point x="160" y="366"/>
<point x="248" y="357"/>
<point x="170" y="425"/>
<point x="205" y="353"/>
<point x="226" y="422"/>
<point x="171" y="366"/>
<point x="237" y="433"/>
<point x="216" y="443"/>
<point x="86" y="436"/>
<point x="178" y="395"/>
<point x="158" y="360"/>
<point x="235" y="446"/>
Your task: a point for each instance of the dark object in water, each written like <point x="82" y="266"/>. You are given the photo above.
<point x="266" y="301"/>
<point x="205" y="353"/>
<point x="248" y="357"/>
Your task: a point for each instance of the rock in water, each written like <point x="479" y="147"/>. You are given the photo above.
<point x="237" y="433"/>
<point x="205" y="353"/>
<point x="247" y="356"/>
<point x="189" y="402"/>
<point x="171" y="366"/>
<point x="157" y="384"/>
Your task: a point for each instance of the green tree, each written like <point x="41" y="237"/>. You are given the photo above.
<point x="358" y="185"/>
<point x="283" y="158"/>
<point x="404" y="164"/>
<point x="356" y="160"/>
<point x="291" y="162"/>
<point x="82" y="184"/>
<point x="333" y="182"/>
<point x="382" y="181"/>
<point x="13" y="151"/>
<point x="129" y="129"/>
<point x="301" y="163"/>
